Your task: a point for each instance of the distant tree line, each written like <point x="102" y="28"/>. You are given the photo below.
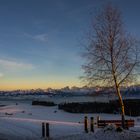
<point x="132" y="107"/>
<point x="43" y="103"/>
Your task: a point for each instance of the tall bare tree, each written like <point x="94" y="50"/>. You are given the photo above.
<point x="112" y="55"/>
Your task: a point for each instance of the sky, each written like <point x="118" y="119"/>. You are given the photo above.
<point x="41" y="41"/>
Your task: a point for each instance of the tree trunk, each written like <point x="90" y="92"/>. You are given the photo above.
<point x="119" y="96"/>
<point x="121" y="104"/>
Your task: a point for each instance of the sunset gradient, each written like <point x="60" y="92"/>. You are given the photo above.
<point x="41" y="41"/>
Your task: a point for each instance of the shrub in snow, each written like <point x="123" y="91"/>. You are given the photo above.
<point x="110" y="127"/>
<point x="113" y="128"/>
<point x="8" y="113"/>
<point x="119" y="129"/>
<point x="55" y="111"/>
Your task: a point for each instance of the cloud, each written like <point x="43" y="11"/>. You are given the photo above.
<point x="11" y="64"/>
<point x="42" y="37"/>
<point x="1" y="75"/>
<point x="39" y="37"/>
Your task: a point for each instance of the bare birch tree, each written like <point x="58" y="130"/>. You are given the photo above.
<point x="112" y="55"/>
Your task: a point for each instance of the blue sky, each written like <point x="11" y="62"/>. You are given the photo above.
<point x="40" y="40"/>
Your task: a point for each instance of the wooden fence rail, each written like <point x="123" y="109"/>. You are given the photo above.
<point x="118" y="123"/>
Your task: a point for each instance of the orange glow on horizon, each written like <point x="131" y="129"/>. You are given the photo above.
<point x="36" y="85"/>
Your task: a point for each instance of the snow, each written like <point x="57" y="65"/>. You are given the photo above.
<point x="108" y="133"/>
<point x="23" y="121"/>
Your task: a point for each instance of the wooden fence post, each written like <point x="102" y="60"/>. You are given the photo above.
<point x="86" y="124"/>
<point x="98" y="118"/>
<point x="47" y="130"/>
<point x="92" y="124"/>
<point x="43" y="129"/>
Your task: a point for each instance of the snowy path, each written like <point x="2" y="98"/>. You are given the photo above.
<point x="31" y="128"/>
<point x="40" y="121"/>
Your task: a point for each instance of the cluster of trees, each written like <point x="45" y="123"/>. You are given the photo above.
<point x="88" y="107"/>
<point x="132" y="107"/>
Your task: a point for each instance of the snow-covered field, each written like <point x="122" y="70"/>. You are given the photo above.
<point x="22" y="121"/>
